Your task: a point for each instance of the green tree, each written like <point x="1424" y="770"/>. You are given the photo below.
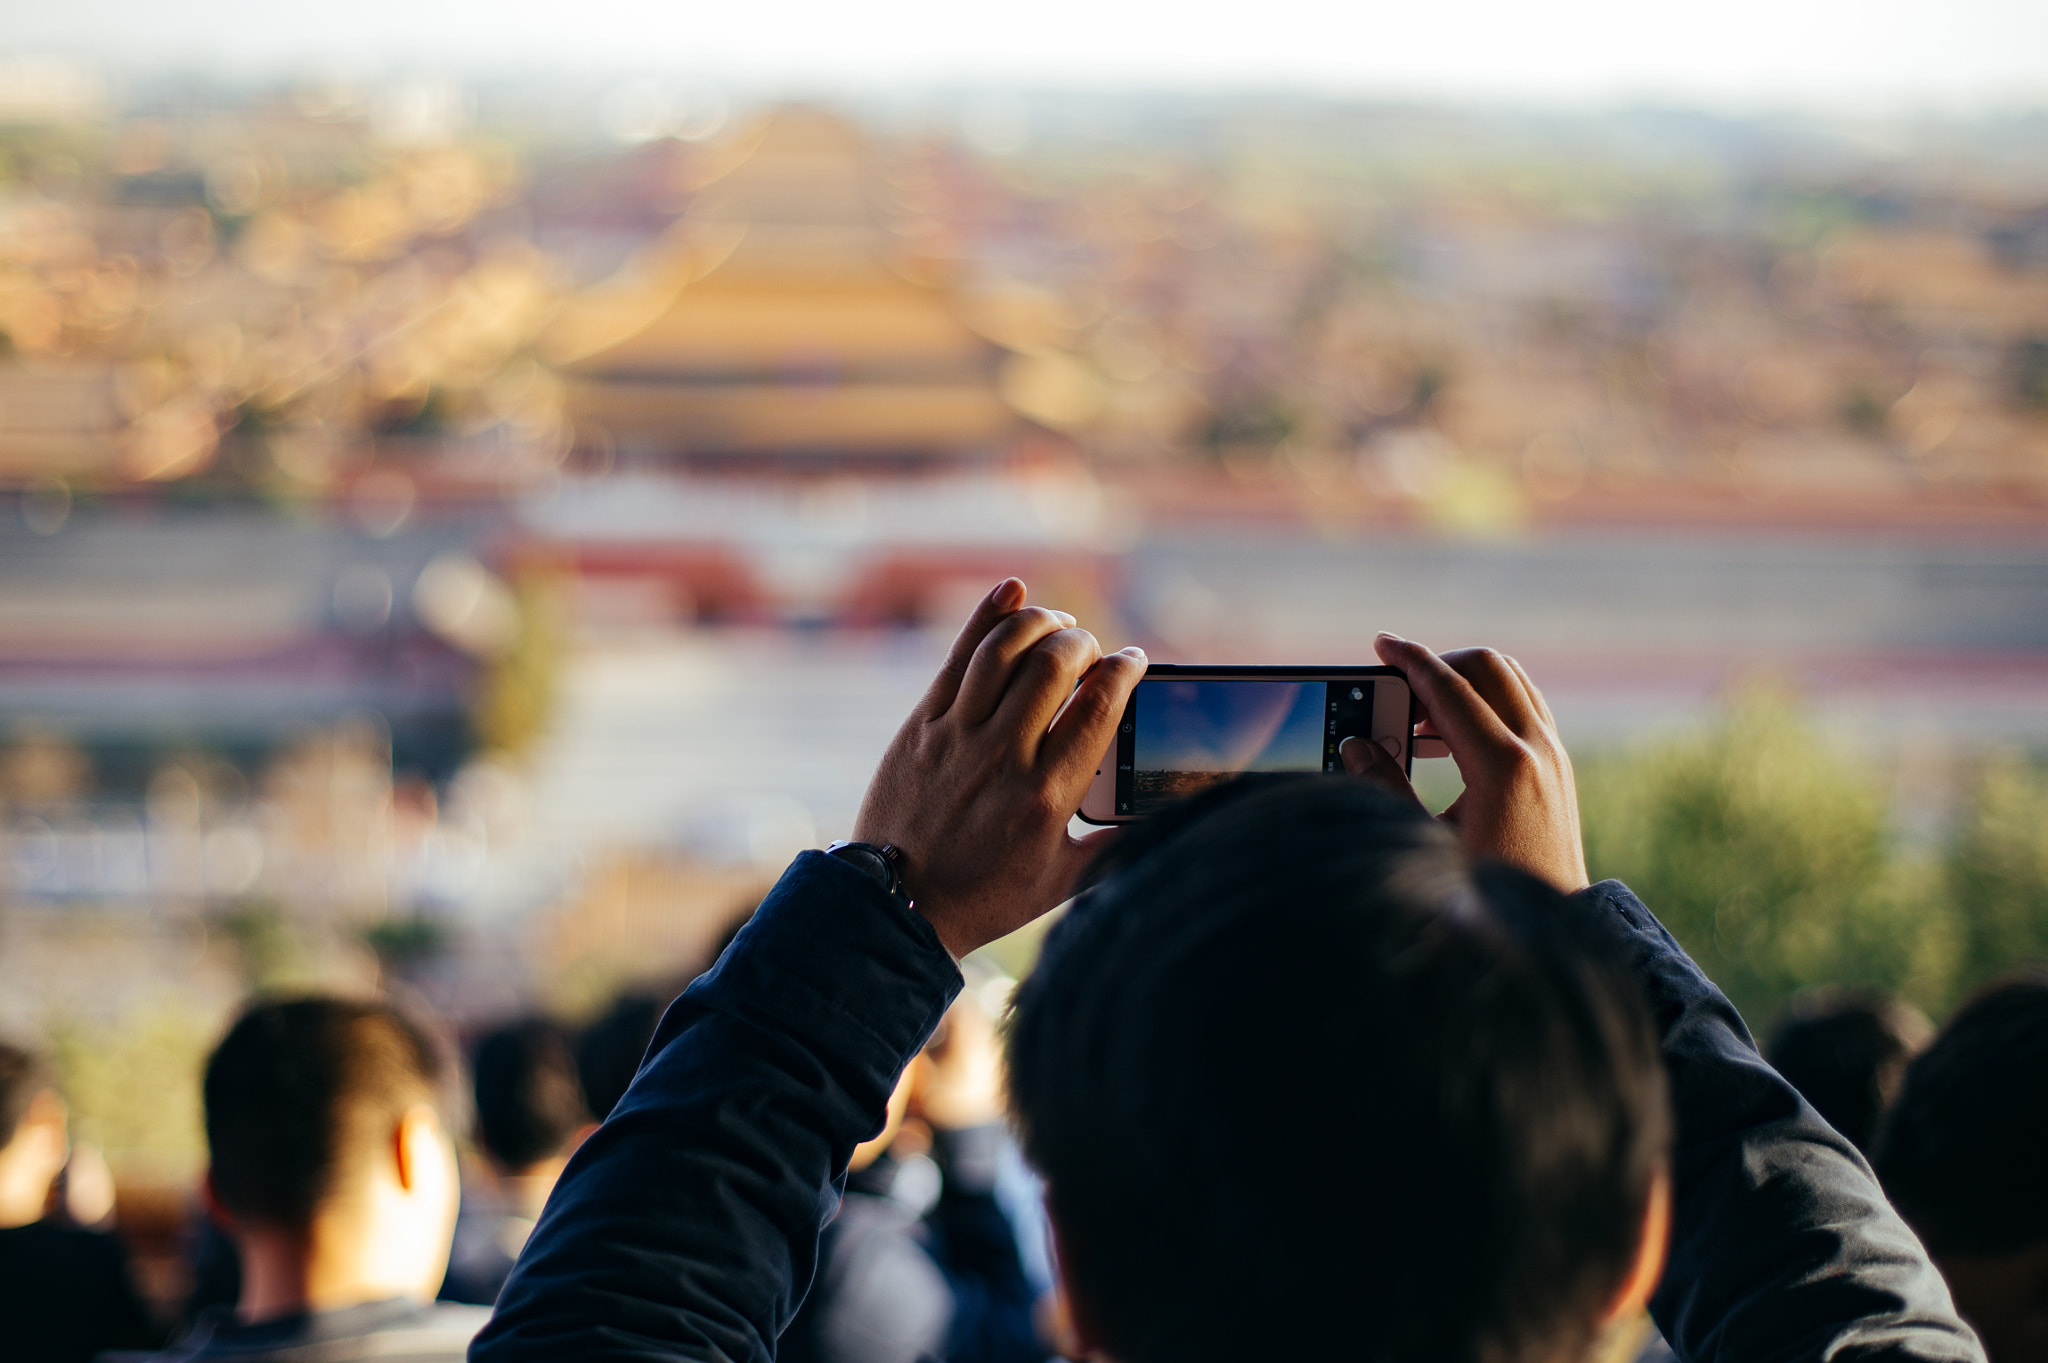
<point x="1997" y="870"/>
<point x="517" y="695"/>
<point x="1770" y="857"/>
<point x="133" y="1087"/>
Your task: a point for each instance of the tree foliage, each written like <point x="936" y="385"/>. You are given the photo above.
<point x="1771" y="856"/>
<point x="1997" y="870"/>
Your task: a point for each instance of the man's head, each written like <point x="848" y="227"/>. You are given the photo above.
<point x="1960" y="1156"/>
<point x="608" y="1054"/>
<point x="1846" y="1051"/>
<point x="1303" y="1081"/>
<point x="529" y="1102"/>
<point x="33" y="1136"/>
<point x="323" y="1121"/>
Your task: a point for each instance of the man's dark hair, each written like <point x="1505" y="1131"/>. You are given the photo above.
<point x="529" y="1101"/>
<point x="22" y="1076"/>
<point x="609" y="1053"/>
<point x="1304" y="1082"/>
<point x="299" y="1091"/>
<point x="1960" y="1152"/>
<point x="1846" y="1051"/>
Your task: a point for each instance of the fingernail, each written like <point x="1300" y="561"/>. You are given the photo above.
<point x="1008" y="589"/>
<point x="1133" y="651"/>
<point x="1393" y="747"/>
<point x="1066" y="617"/>
<point x="1392" y="637"/>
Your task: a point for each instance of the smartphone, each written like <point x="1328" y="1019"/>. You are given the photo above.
<point x="1187" y="728"/>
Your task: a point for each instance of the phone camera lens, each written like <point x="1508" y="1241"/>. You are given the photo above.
<point x="1357" y="693"/>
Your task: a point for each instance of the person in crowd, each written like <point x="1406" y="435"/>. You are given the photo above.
<point x="66" y="1293"/>
<point x="610" y="1049"/>
<point x="922" y="1262"/>
<point x="1846" y="1053"/>
<point x="1964" y="1155"/>
<point x="529" y="1117"/>
<point x="332" y="1171"/>
<point x="1477" y="1159"/>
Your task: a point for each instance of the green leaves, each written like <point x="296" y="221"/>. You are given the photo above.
<point x="1770" y="854"/>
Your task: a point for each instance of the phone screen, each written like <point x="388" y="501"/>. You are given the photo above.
<point x="1187" y="735"/>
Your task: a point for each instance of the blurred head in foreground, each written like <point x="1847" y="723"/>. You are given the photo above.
<point x="609" y="1052"/>
<point x="529" y="1102"/>
<point x="33" y="1137"/>
<point x="1963" y="1155"/>
<point x="331" y="1165"/>
<point x="1305" y="1082"/>
<point x="1846" y="1051"/>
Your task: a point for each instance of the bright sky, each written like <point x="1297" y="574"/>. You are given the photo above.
<point x="1951" y="53"/>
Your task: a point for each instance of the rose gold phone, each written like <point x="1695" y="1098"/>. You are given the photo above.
<point x="1188" y="728"/>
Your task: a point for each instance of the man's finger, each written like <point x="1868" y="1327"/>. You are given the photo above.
<point x="1542" y="705"/>
<point x="990" y="611"/>
<point x="1045" y="680"/>
<point x="994" y="664"/>
<point x="1455" y="710"/>
<point x="1073" y="749"/>
<point x="1083" y="852"/>
<point x="1494" y="677"/>
<point x="1368" y="761"/>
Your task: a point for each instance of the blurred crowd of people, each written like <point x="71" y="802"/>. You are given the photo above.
<point x="335" y="1125"/>
<point x="361" y="1176"/>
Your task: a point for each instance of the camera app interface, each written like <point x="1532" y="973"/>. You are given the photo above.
<point x="1189" y="735"/>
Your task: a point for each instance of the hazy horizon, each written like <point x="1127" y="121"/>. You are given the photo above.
<point x="1901" y="57"/>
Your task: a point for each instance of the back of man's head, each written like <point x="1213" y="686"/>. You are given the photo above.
<point x="1303" y="1082"/>
<point x="610" y="1050"/>
<point x="22" y="1076"/>
<point x="1846" y="1051"/>
<point x="302" y="1095"/>
<point x="1960" y="1153"/>
<point x="529" y="1102"/>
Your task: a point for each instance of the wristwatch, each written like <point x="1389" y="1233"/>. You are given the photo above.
<point x="884" y="863"/>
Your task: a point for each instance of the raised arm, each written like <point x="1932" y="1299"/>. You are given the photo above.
<point x="687" y="1225"/>
<point x="1782" y="1245"/>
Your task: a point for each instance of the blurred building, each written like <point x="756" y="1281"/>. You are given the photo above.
<point x="781" y="409"/>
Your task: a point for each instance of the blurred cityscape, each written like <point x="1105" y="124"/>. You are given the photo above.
<point x="471" y="537"/>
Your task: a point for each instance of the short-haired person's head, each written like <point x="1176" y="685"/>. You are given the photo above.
<point x="1846" y="1052"/>
<point x="529" y="1101"/>
<point x="1961" y="1152"/>
<point x="23" y="1076"/>
<point x="609" y="1052"/>
<point x="1304" y="1081"/>
<point x="34" y="1140"/>
<point x="1960" y="1156"/>
<point x="302" y="1094"/>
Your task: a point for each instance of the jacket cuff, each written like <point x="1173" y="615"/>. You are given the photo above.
<point x="830" y="959"/>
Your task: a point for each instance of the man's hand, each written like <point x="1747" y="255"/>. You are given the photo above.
<point x="979" y="784"/>
<point x="1519" y="804"/>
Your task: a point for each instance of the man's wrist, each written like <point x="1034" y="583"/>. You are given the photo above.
<point x="882" y="862"/>
<point x="816" y="949"/>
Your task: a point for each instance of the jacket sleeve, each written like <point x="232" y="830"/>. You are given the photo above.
<point x="687" y="1225"/>
<point x="1782" y="1245"/>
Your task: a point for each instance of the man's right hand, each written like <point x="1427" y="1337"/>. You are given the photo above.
<point x="981" y="780"/>
<point x="1519" y="804"/>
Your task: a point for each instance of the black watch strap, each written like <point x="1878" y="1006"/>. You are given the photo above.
<point x="883" y="862"/>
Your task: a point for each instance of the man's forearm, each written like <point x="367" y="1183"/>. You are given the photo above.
<point x="1782" y="1245"/>
<point x="687" y="1226"/>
